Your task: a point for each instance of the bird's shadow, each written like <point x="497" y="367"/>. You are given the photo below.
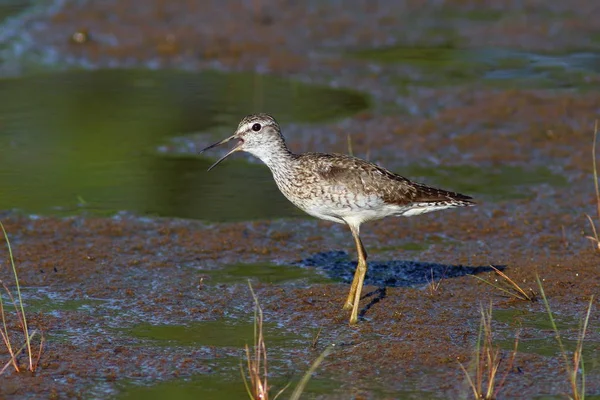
<point x="337" y="265"/>
<point x="395" y="273"/>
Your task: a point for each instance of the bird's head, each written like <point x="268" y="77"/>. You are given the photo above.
<point x="254" y="134"/>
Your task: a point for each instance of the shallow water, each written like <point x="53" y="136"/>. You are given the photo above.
<point x="543" y="344"/>
<point x="496" y="184"/>
<point x="449" y="65"/>
<point x="203" y="386"/>
<point x="217" y="386"/>
<point x="11" y="7"/>
<point x="264" y="273"/>
<point x="221" y="333"/>
<point x="87" y="141"/>
<point x="90" y="143"/>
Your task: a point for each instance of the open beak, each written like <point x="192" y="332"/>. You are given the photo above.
<point x="236" y="148"/>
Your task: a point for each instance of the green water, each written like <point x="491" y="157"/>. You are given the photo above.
<point x="415" y="246"/>
<point x="497" y="183"/>
<point x="541" y="340"/>
<point x="408" y="246"/>
<point x="224" y="381"/>
<point x="448" y="64"/>
<point x="220" y="333"/>
<point x="564" y="396"/>
<point x="264" y="273"/>
<point x="86" y="141"/>
<point x="218" y="386"/>
<point x="11" y="7"/>
<point x="48" y="305"/>
<point x="38" y="300"/>
<point x="548" y="347"/>
<point x="199" y="387"/>
<point x="537" y="320"/>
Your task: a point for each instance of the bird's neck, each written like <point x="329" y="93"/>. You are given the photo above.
<point x="275" y="155"/>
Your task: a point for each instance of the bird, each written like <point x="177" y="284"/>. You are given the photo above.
<point x="337" y="187"/>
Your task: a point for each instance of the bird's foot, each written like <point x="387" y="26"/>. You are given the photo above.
<point x="353" y="318"/>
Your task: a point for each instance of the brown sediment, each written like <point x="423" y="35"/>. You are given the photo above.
<point x="155" y="270"/>
<point x="150" y="270"/>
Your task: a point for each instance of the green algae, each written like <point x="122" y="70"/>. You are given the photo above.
<point x="218" y="386"/>
<point x="449" y="65"/>
<point x="264" y="273"/>
<point x="220" y="333"/>
<point x="498" y="183"/>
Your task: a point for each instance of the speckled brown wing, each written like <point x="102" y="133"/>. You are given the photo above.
<point x="427" y="194"/>
<point x="367" y="178"/>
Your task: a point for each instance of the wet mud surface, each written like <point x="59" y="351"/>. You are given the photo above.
<point x="127" y="302"/>
<point x="135" y="306"/>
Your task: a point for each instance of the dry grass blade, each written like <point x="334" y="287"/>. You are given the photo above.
<point x="578" y="355"/>
<point x="20" y="314"/>
<point x="13" y="359"/>
<point x="258" y="387"/>
<point x="6" y="340"/>
<point x="596" y="184"/>
<point x="4" y="333"/>
<point x="304" y="381"/>
<point x="432" y="285"/>
<point x="564" y="239"/>
<point x="487" y="360"/>
<point x="510" y="287"/>
<point x="511" y="362"/>
<point x="595" y="239"/>
<point x="350" y="152"/>
<point x="315" y="341"/>
<point x="573" y="367"/>
<point x="472" y="384"/>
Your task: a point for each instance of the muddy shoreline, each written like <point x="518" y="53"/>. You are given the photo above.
<point x="133" y="304"/>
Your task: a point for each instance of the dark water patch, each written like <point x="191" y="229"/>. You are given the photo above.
<point x="49" y="305"/>
<point x="540" y="338"/>
<point x="43" y="300"/>
<point x="489" y="13"/>
<point x="450" y="65"/>
<point x="199" y="387"/>
<point x="265" y="273"/>
<point x="225" y="379"/>
<point x="409" y="246"/>
<point x="579" y="70"/>
<point x="84" y="141"/>
<point x="548" y="347"/>
<point x="225" y="382"/>
<point x="497" y="183"/>
<point x="337" y="266"/>
<point x="9" y="8"/>
<point x="563" y="396"/>
<point x="474" y="14"/>
<point x="537" y="320"/>
<point x="221" y="333"/>
<point x="220" y="386"/>
<point x="413" y="246"/>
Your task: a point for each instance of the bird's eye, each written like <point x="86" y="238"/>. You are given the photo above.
<point x="256" y="127"/>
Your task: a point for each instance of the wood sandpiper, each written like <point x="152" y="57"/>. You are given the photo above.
<point x="337" y="187"/>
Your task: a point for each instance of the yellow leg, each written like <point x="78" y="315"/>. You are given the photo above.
<point x="350" y="300"/>
<point x="361" y="270"/>
<point x="353" y="299"/>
